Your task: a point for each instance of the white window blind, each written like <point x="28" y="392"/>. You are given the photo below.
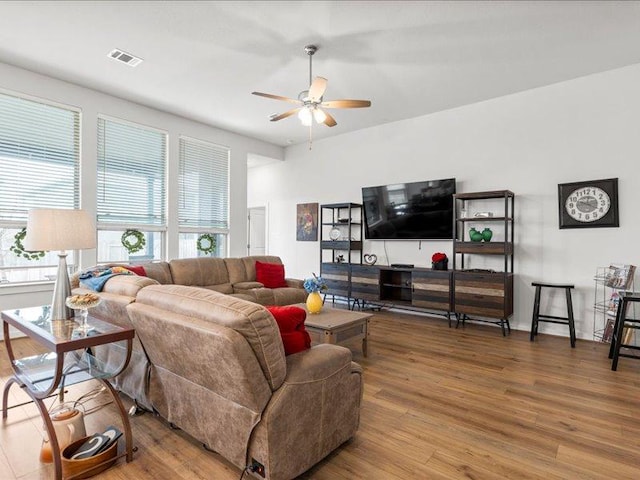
<point x="39" y="157"/>
<point x="131" y="183"/>
<point x="203" y="185"/>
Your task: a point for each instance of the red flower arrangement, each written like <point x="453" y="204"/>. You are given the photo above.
<point x="438" y="257"/>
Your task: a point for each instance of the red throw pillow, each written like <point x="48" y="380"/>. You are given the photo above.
<point x="290" y="320"/>
<point x="271" y="275"/>
<point x="137" y="269"/>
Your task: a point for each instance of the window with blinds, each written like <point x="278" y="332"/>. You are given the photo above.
<point x="39" y="157"/>
<point x="39" y="167"/>
<point x="131" y="189"/>
<point x="131" y="180"/>
<point x="203" y="196"/>
<point x="203" y="185"/>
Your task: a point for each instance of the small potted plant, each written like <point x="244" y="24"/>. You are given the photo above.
<point x="313" y="286"/>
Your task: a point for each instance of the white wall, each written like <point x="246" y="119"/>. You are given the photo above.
<point x="92" y="103"/>
<point x="584" y="129"/>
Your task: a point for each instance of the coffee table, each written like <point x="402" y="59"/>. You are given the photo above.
<point x="337" y="326"/>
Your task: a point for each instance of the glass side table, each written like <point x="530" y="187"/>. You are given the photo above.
<point x="70" y="360"/>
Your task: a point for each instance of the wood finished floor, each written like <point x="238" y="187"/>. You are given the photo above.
<point x="439" y="403"/>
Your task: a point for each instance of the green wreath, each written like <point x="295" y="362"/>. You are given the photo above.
<point x="204" y="240"/>
<point x="134" y="244"/>
<point x="18" y="247"/>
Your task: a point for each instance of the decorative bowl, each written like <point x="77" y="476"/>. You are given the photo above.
<point x="83" y="302"/>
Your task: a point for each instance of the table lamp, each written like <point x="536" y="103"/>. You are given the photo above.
<point x="60" y="229"/>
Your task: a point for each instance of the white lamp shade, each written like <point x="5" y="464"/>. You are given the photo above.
<point x="59" y="229"/>
<point x="319" y="115"/>
<point x="305" y="116"/>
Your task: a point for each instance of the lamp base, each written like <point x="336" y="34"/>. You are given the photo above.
<point x="61" y="290"/>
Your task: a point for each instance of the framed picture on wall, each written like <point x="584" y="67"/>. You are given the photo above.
<point x="589" y="204"/>
<point x="307" y="222"/>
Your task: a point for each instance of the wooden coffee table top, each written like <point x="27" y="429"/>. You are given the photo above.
<point x="333" y="317"/>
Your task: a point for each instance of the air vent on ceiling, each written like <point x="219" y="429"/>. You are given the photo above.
<point x="124" y="57"/>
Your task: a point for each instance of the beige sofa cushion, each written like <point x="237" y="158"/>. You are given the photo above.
<point x="244" y="286"/>
<point x="159" y="271"/>
<point x="252" y="321"/>
<point x="206" y="272"/>
<point x="237" y="271"/>
<point x="127" y="285"/>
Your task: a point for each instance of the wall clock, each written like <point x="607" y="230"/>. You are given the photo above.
<point x="588" y="204"/>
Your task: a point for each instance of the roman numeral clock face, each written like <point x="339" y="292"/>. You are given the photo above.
<point x="588" y="204"/>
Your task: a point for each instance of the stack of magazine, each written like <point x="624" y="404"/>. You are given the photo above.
<point x="619" y="277"/>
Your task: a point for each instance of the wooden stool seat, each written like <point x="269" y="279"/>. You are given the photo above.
<point x="553" y="285"/>
<point x="537" y="317"/>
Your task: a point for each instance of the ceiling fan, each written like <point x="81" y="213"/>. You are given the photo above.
<point x="310" y="102"/>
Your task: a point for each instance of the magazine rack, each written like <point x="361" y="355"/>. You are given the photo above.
<point x="610" y="281"/>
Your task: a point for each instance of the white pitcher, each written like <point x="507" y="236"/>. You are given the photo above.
<point x="68" y="422"/>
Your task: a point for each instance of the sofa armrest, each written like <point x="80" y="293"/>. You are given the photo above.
<point x="317" y="364"/>
<point x="294" y="282"/>
<point x="316" y="409"/>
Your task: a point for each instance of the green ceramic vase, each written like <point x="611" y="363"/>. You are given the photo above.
<point x="487" y="234"/>
<point x="475" y="235"/>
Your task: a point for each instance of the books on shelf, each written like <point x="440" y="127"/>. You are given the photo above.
<point x="620" y="276"/>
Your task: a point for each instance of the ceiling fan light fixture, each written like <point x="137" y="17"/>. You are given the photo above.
<point x="305" y="116"/>
<point x="319" y="115"/>
<point x="309" y="102"/>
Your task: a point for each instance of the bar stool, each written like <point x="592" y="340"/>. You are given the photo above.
<point x="568" y="320"/>
<point x="622" y="323"/>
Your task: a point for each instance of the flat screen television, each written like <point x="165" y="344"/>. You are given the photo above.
<point x="409" y="211"/>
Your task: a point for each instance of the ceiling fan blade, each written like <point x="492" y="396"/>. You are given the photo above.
<point x="277" y="97"/>
<point x="346" y="104"/>
<point x="317" y="88"/>
<point x="330" y="121"/>
<point x="275" y="118"/>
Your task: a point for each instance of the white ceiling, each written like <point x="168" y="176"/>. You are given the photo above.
<point x="203" y="59"/>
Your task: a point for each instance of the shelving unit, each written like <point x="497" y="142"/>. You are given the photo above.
<point x="484" y="292"/>
<point x="395" y="286"/>
<point x="340" y="245"/>
<point x="609" y="283"/>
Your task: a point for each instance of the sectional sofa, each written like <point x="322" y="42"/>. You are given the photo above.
<point x="209" y="359"/>
<point x="235" y="277"/>
<point x="231" y="276"/>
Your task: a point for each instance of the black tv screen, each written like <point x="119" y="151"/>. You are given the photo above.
<point x="412" y="211"/>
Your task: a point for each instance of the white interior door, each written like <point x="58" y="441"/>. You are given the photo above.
<point x="257" y="231"/>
